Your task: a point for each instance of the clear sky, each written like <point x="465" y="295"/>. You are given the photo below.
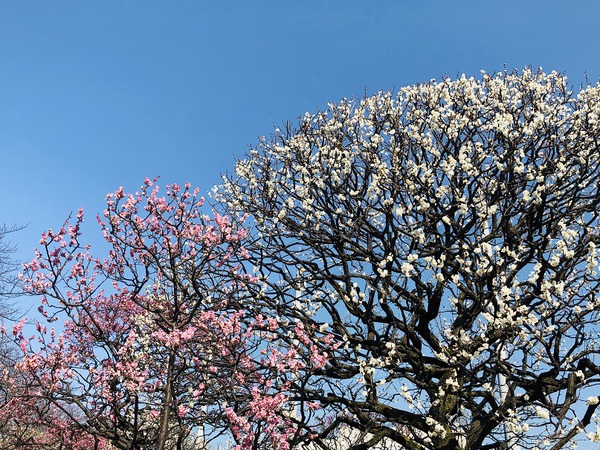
<point x="98" y="94"/>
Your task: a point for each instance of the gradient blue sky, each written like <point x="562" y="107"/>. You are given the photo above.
<point x="98" y="94"/>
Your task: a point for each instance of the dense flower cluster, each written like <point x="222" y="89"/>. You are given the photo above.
<point x="448" y="235"/>
<point x="155" y="341"/>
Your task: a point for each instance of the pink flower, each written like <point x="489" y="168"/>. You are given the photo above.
<point x="19" y="326"/>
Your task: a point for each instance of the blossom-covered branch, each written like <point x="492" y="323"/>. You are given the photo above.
<point x="156" y="342"/>
<point x="448" y="237"/>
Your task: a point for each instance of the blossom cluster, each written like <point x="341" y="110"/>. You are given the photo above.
<point x="155" y="340"/>
<point x="448" y="235"/>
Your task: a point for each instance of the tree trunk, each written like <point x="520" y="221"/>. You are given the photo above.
<point x="166" y="412"/>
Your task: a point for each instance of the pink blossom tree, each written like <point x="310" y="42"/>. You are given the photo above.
<point x="156" y="344"/>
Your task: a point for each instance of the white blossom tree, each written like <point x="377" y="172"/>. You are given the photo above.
<point x="447" y="237"/>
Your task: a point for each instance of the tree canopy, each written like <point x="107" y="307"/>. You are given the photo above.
<point x="411" y="271"/>
<point x="156" y="351"/>
<point x="447" y="237"/>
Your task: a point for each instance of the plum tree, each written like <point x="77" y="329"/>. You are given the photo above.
<point x="447" y="237"/>
<point x="156" y="342"/>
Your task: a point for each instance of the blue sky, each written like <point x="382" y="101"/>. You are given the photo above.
<point x="98" y="94"/>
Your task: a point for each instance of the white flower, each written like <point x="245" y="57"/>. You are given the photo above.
<point x="542" y="412"/>
<point x="407" y="269"/>
<point x="594" y="436"/>
<point x="592" y="401"/>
